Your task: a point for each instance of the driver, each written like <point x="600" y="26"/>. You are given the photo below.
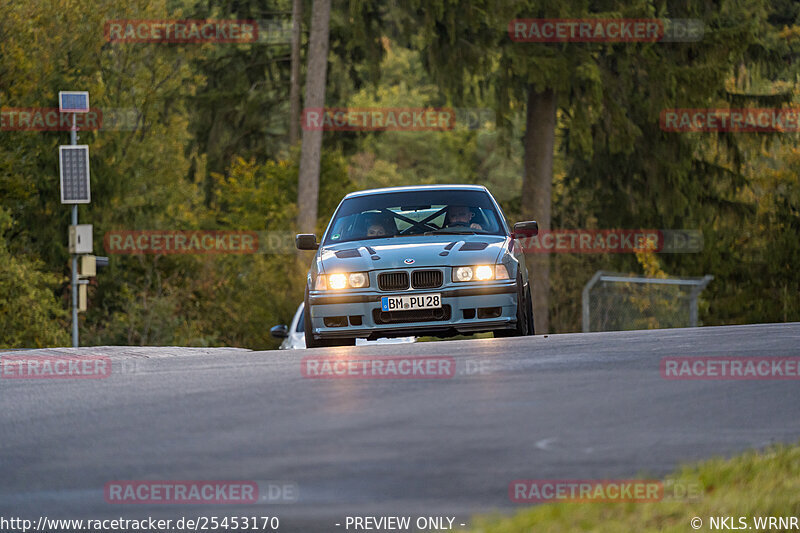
<point x="376" y="230"/>
<point x="379" y="225"/>
<point x="460" y="215"/>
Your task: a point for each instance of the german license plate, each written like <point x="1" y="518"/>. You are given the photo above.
<point x="408" y="303"/>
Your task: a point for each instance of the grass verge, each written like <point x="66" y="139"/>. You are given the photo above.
<point x="756" y="484"/>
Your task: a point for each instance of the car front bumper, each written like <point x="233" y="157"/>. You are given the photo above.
<point x="473" y="308"/>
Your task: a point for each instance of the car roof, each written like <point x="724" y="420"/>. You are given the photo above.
<point x="417" y="188"/>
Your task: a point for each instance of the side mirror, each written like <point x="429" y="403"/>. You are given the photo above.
<point x="306" y="241"/>
<point x="279" y="332"/>
<point x="526" y="229"/>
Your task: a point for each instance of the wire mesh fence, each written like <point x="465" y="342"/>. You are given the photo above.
<point x="616" y="302"/>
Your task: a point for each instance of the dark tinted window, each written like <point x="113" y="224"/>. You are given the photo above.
<point x="413" y="213"/>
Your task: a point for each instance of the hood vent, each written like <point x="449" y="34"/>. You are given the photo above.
<point x="473" y="246"/>
<point x="346" y="254"/>
<point x="448" y="247"/>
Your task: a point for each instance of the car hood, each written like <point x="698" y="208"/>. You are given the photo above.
<point x="424" y="250"/>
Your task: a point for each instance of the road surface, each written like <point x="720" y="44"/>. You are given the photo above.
<point x="577" y="406"/>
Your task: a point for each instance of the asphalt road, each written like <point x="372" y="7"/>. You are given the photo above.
<point x="578" y="406"/>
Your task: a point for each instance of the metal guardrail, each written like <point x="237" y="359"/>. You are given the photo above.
<point x="644" y="298"/>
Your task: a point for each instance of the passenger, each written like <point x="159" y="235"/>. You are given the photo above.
<point x="460" y="216"/>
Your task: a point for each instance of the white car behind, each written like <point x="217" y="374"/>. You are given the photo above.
<point x="294" y="335"/>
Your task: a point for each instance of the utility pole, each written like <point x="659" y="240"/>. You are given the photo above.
<point x="73" y="138"/>
<point x="75" y="189"/>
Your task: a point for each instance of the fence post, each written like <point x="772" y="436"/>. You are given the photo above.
<point x="585" y="299"/>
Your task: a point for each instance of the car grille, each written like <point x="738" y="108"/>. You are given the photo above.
<point x="392" y="281"/>
<point x="426" y="279"/>
<point x="417" y="315"/>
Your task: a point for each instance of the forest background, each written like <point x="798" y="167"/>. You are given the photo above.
<point x="208" y="147"/>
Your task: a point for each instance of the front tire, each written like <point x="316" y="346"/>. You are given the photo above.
<point x="529" y="310"/>
<point x="524" y="325"/>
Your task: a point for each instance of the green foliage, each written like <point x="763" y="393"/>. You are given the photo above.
<point x="30" y="314"/>
<point x="209" y="151"/>
<point x="395" y="158"/>
<point x="242" y="107"/>
<point x="615" y="167"/>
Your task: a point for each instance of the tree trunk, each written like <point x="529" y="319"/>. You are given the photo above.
<point x="294" y="88"/>
<point x="308" y="179"/>
<point x="537" y="182"/>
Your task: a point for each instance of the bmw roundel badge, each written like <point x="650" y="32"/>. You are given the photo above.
<point x="408" y="261"/>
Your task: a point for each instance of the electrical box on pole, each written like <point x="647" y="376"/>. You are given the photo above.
<point x="88" y="265"/>
<point x="83" y="298"/>
<point x="87" y="268"/>
<point x="80" y="239"/>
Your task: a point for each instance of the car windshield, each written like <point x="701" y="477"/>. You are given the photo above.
<point x="398" y="214"/>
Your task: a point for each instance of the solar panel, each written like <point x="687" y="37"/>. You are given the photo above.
<point x="74" y="173"/>
<point x="73" y="101"/>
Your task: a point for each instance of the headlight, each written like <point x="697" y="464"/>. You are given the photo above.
<point x="480" y="273"/>
<point x="337" y="281"/>
<point x="358" y="280"/>
<point x="462" y="274"/>
<point x="484" y="272"/>
<point x="342" y="280"/>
